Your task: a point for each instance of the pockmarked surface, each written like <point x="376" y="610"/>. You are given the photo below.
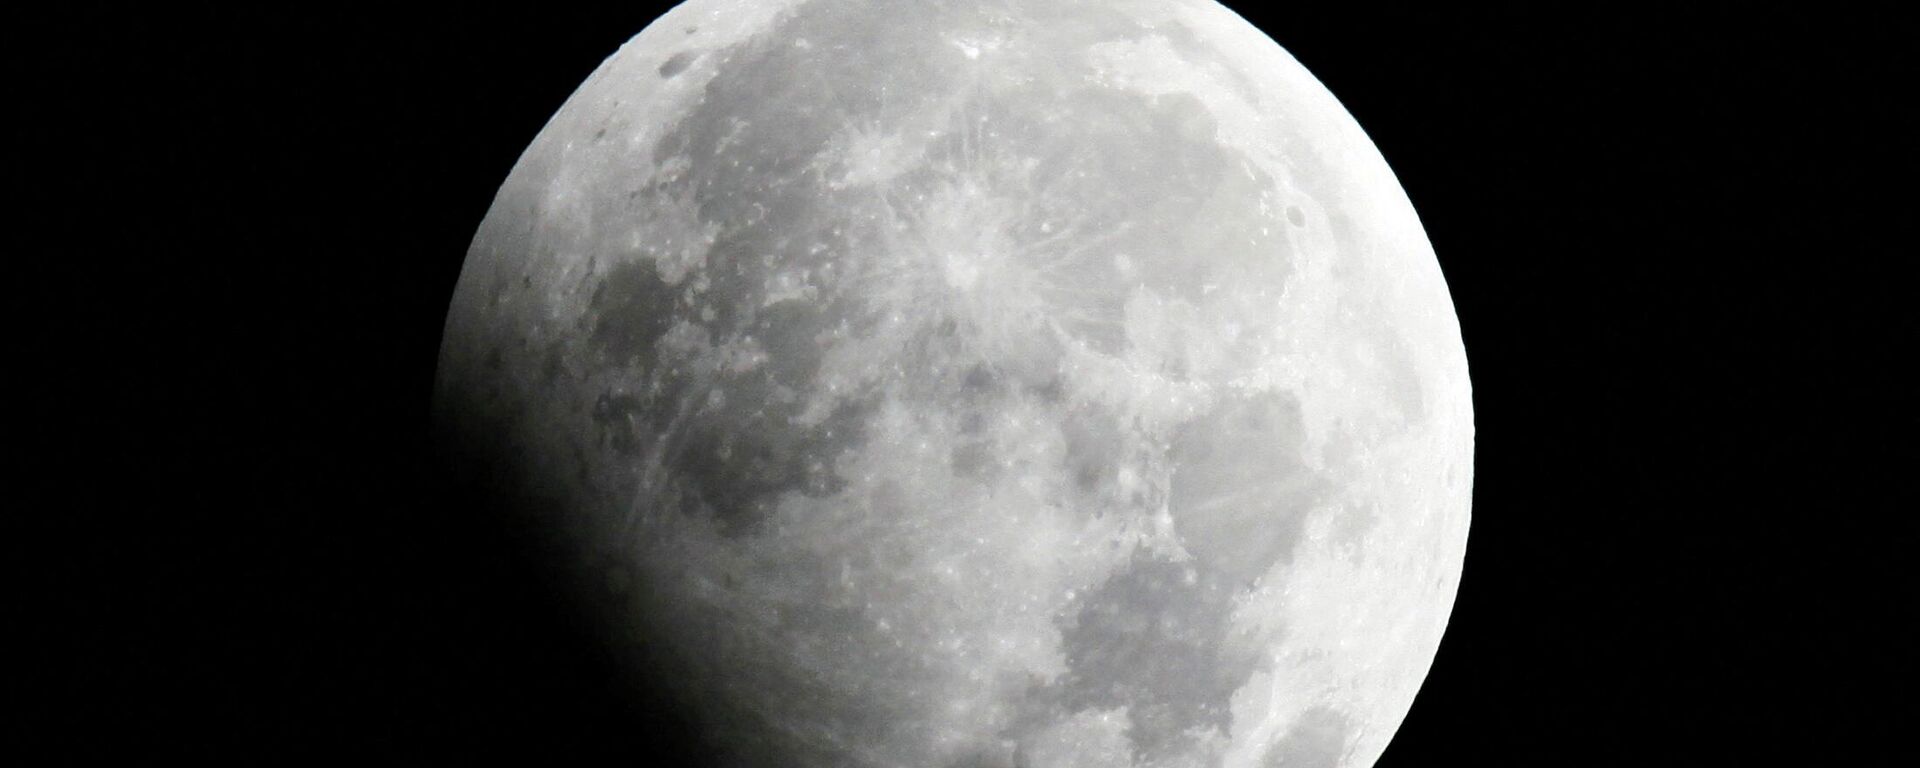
<point x="1024" y="383"/>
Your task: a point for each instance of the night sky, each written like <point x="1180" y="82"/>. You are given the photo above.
<point x="1677" y="242"/>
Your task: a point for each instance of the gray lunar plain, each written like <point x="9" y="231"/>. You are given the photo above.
<point x="979" y="384"/>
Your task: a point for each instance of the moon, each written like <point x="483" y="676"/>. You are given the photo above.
<point x="1034" y="383"/>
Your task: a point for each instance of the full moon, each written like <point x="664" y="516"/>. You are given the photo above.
<point x="1017" y="383"/>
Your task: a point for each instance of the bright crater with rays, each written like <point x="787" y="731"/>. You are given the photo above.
<point x="1018" y="383"/>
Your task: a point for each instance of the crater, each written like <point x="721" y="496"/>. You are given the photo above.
<point x="677" y="63"/>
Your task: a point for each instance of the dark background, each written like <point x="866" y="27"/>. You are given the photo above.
<point x="1676" y="239"/>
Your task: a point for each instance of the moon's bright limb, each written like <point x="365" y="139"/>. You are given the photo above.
<point x="1016" y="383"/>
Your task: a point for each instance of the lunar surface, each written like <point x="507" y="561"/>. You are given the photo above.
<point x="1027" y="383"/>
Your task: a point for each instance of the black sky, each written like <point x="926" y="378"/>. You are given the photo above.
<point x="1678" y="243"/>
